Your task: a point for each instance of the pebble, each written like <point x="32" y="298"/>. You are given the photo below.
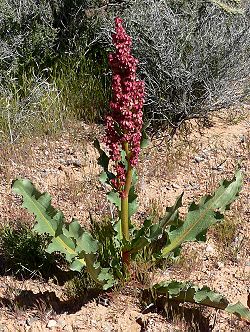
<point x="61" y="323"/>
<point x="51" y="323"/>
<point x="220" y="265"/>
<point x="242" y="139"/>
<point x="210" y="248"/>
<point x="199" y="159"/>
<point x="218" y="168"/>
<point x="31" y="320"/>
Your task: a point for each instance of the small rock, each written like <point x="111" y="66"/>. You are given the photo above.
<point x="242" y="139"/>
<point x="210" y="248"/>
<point x="77" y="163"/>
<point x="218" y="168"/>
<point x="220" y="265"/>
<point x="199" y="159"/>
<point x="61" y="323"/>
<point x="51" y="323"/>
<point x="31" y="320"/>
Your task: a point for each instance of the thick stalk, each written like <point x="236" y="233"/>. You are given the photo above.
<point x="124" y="205"/>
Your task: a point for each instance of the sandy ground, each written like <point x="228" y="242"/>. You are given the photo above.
<point x="65" y="166"/>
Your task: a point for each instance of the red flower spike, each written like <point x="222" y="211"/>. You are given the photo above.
<point x="124" y="123"/>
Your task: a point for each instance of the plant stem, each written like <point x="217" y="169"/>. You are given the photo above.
<point x="124" y="205"/>
<point x="124" y="217"/>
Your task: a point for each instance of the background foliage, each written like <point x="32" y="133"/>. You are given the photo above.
<point x="194" y="55"/>
<point x="194" y="58"/>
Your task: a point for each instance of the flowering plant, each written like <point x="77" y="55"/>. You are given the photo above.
<point x="124" y="123"/>
<point x="106" y="257"/>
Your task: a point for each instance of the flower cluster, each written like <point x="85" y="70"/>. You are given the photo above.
<point x="124" y="123"/>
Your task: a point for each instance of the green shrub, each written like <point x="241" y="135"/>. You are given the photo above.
<point x="194" y="59"/>
<point x="27" y="34"/>
<point x="83" y="86"/>
<point x="23" y="251"/>
<point x="48" y="69"/>
<point x="194" y="55"/>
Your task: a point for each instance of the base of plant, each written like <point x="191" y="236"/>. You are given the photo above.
<point x="126" y="260"/>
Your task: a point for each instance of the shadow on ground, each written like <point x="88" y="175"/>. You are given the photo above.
<point x="26" y="299"/>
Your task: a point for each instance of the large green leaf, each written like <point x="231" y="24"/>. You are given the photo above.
<point x="79" y="247"/>
<point x="151" y="232"/>
<point x="62" y="244"/>
<point x="171" y="216"/>
<point x="48" y="218"/>
<point x="176" y="291"/>
<point x="200" y="217"/>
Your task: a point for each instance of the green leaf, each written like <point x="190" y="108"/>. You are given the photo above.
<point x="77" y="265"/>
<point x="118" y="231"/>
<point x="73" y="229"/>
<point x="63" y="244"/>
<point x="176" y="291"/>
<point x="87" y="244"/>
<point x="114" y="198"/>
<point x="103" y="177"/>
<point x="48" y="219"/>
<point x="150" y="232"/>
<point x="69" y="239"/>
<point x="107" y="277"/>
<point x="171" y="216"/>
<point x="103" y="160"/>
<point x="147" y="234"/>
<point x="134" y="177"/>
<point x="132" y="202"/>
<point x="239" y="310"/>
<point x="200" y="217"/>
<point x="144" y="142"/>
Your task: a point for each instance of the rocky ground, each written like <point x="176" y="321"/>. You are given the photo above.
<point x="194" y="161"/>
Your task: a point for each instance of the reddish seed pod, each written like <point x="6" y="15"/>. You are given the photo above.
<point x="124" y="122"/>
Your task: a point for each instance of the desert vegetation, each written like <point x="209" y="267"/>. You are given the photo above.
<point x="140" y="130"/>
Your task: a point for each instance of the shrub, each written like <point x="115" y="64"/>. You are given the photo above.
<point x="47" y="70"/>
<point x="23" y="251"/>
<point x="194" y="55"/>
<point x="27" y="35"/>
